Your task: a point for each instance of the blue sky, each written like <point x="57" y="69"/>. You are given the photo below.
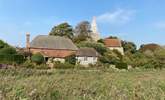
<point x="140" y="21"/>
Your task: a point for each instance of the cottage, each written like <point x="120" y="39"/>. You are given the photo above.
<point x="87" y="56"/>
<point x="114" y="44"/>
<point x="55" y="47"/>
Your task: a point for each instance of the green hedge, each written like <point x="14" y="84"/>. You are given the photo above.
<point x="10" y="59"/>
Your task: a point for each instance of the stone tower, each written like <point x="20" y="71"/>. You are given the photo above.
<point x="27" y="40"/>
<point x="95" y="33"/>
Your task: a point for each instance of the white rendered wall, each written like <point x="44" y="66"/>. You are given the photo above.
<point x="120" y="49"/>
<point x="86" y="60"/>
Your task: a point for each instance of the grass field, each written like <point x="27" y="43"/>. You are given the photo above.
<point x="30" y="84"/>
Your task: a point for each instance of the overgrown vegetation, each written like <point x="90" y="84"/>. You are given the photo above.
<point x="9" y="55"/>
<point x="31" y="84"/>
<point x="37" y="58"/>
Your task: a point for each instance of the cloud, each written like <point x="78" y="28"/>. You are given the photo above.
<point x="119" y="16"/>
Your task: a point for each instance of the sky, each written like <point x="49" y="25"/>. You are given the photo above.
<point x="139" y="21"/>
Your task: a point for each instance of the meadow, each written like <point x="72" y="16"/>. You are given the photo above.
<point x="73" y="84"/>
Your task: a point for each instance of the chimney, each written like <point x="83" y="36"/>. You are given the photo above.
<point x="27" y="40"/>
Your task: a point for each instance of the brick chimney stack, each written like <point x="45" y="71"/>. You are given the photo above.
<point x="27" y="40"/>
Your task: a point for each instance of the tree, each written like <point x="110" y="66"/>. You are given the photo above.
<point x="152" y="47"/>
<point x="129" y="47"/>
<point x="37" y="58"/>
<point x="160" y="57"/>
<point x="8" y="51"/>
<point x="82" y="31"/>
<point x="100" y="48"/>
<point x="112" y="37"/>
<point x="139" y="60"/>
<point x="101" y="41"/>
<point x="3" y="44"/>
<point x="109" y="57"/>
<point x="63" y="29"/>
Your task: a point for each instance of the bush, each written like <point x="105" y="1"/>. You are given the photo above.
<point x="37" y="58"/>
<point x="99" y="47"/>
<point x="28" y="64"/>
<point x="11" y="59"/>
<point x="8" y="51"/>
<point x="66" y="65"/>
<point x="71" y="59"/>
<point x="101" y="41"/>
<point x="109" y="57"/>
<point x="121" y="65"/>
<point x="42" y="66"/>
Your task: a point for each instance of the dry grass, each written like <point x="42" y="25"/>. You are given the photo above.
<point x="30" y="84"/>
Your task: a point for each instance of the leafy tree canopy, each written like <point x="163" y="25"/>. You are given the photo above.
<point x="112" y="37"/>
<point x="3" y="44"/>
<point x="82" y="31"/>
<point x="152" y="47"/>
<point x="8" y="51"/>
<point x="129" y="47"/>
<point x="100" y="48"/>
<point x="110" y="57"/>
<point x="101" y="41"/>
<point x="63" y="29"/>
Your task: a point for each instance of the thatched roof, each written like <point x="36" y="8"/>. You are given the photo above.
<point x="52" y="42"/>
<point x="88" y="52"/>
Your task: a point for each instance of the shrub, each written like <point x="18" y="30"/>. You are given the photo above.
<point x="99" y="47"/>
<point x="11" y="59"/>
<point x="37" y="58"/>
<point x="31" y="65"/>
<point x="121" y="65"/>
<point x="101" y="41"/>
<point x="28" y="64"/>
<point x="109" y="57"/>
<point x="66" y="65"/>
<point x="139" y="59"/>
<point x="71" y="59"/>
<point x="118" y="54"/>
<point x="103" y="59"/>
<point x="8" y="51"/>
<point x="42" y="66"/>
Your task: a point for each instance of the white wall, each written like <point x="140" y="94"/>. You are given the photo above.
<point x="120" y="49"/>
<point x="86" y="60"/>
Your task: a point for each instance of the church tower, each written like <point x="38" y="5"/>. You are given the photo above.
<point x="27" y="40"/>
<point x="95" y="33"/>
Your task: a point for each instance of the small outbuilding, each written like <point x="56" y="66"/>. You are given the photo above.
<point x="86" y="56"/>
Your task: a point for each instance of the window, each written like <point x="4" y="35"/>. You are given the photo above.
<point x="94" y="58"/>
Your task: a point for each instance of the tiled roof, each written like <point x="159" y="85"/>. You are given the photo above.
<point x="112" y="43"/>
<point x="89" y="52"/>
<point x="52" y="42"/>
